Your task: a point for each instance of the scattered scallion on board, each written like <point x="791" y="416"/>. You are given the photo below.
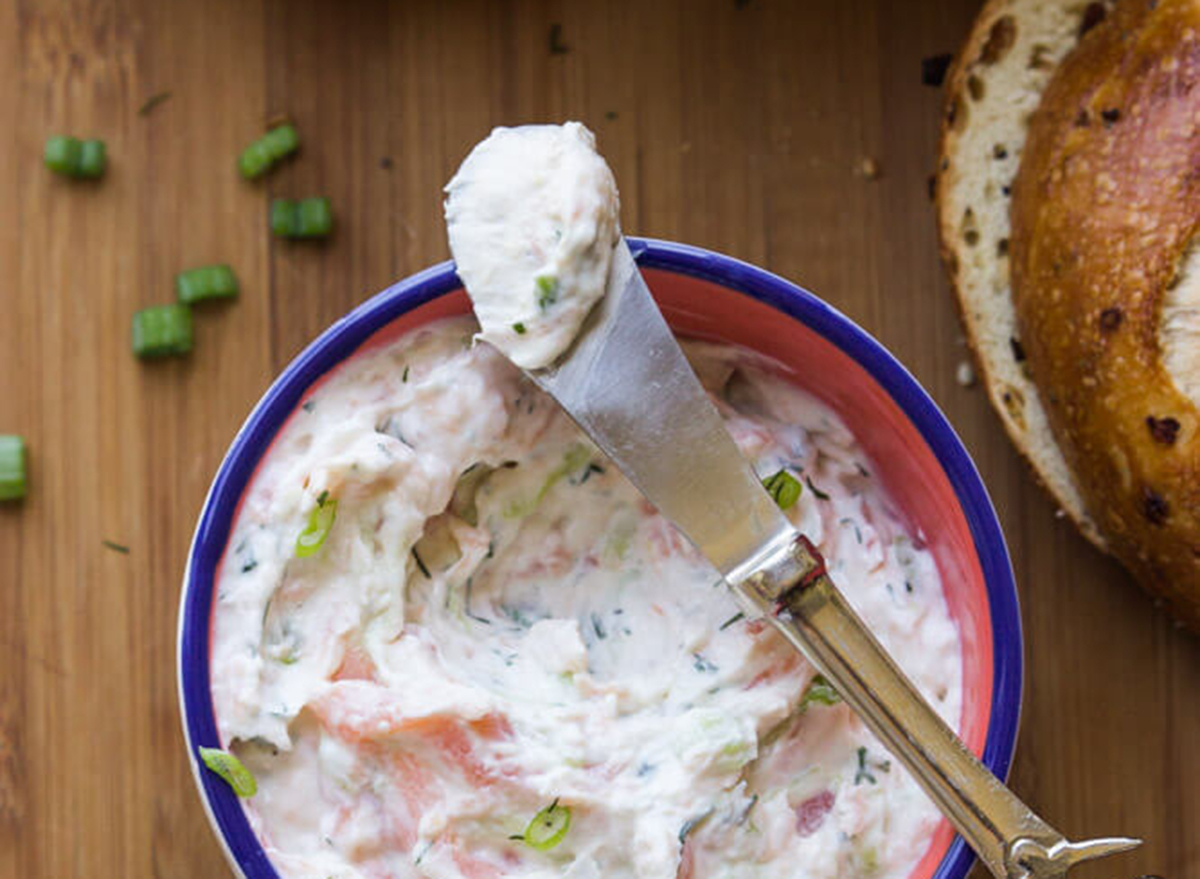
<point x="783" y="487"/>
<point x="12" y="468"/>
<point x="276" y="144"/>
<point x="548" y="827"/>
<point x="73" y="157"/>
<point x="162" y="330"/>
<point x="230" y="768"/>
<point x="320" y="521"/>
<point x="306" y="218"/>
<point x="206" y="282"/>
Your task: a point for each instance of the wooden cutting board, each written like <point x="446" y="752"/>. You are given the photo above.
<point x="797" y="135"/>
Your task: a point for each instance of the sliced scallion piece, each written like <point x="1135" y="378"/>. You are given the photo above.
<point x="277" y="143"/>
<point x="12" y="468"/>
<point x="162" y="330"/>
<point x="547" y="291"/>
<point x="283" y="217"/>
<point x="784" y="488"/>
<point x="93" y="158"/>
<point x="230" y="768"/>
<point x="62" y="154"/>
<point x="320" y="521"/>
<point x="206" y="282"/>
<point x="73" y="157"/>
<point x="819" y="692"/>
<point x="314" y="217"/>
<point x="306" y="218"/>
<point x="548" y="827"/>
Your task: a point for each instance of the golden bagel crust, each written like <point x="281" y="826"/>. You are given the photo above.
<point x="1105" y="204"/>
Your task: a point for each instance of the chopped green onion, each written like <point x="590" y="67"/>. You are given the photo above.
<point x="736" y="618"/>
<point x="548" y="827"/>
<point x="307" y="218"/>
<point x="162" y="330"/>
<point x="62" y="154"/>
<point x="819" y="692"/>
<point x="519" y="328"/>
<point x="73" y="157"/>
<point x="320" y="521"/>
<point x="231" y="769"/>
<point x="277" y="143"/>
<point x="12" y="468"/>
<point x="547" y="291"/>
<point x="784" y="487"/>
<point x="206" y="282"/>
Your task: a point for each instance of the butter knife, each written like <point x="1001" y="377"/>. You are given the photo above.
<point x="626" y="383"/>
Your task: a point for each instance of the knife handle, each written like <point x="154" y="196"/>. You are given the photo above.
<point x="797" y="595"/>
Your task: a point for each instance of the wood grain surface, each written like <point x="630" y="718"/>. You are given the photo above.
<point x="739" y="126"/>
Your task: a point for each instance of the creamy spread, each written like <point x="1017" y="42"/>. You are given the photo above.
<point x="493" y="621"/>
<point x="532" y="221"/>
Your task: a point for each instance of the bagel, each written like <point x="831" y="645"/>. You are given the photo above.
<point x="1068" y="197"/>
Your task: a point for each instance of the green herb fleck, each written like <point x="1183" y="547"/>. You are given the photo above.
<point x="231" y="769"/>
<point x="784" y="488"/>
<point x="857" y="531"/>
<point x="115" y="547"/>
<point x="519" y="328"/>
<point x="703" y="665"/>
<point x="421" y="564"/>
<point x="691" y="824"/>
<point x="547" y="291"/>
<point x="817" y="493"/>
<point x="404" y="378"/>
<point x="863" y="774"/>
<point x="592" y="467"/>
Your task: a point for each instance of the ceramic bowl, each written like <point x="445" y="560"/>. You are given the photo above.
<point x="927" y="473"/>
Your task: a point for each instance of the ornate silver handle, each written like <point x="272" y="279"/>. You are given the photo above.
<point x="793" y="590"/>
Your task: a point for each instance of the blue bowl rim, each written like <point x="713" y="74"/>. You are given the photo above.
<point x="242" y="848"/>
